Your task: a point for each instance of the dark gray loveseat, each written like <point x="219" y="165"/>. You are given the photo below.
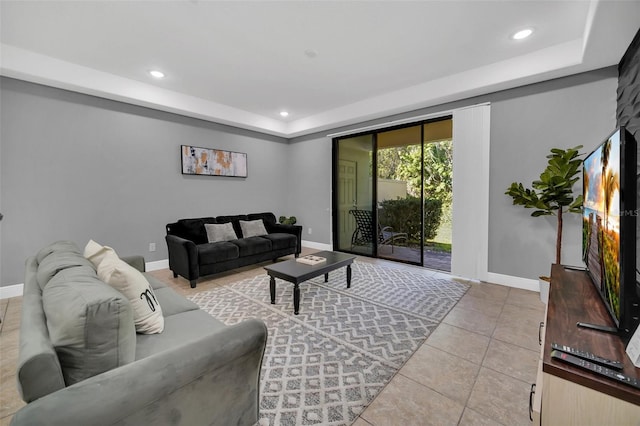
<point x="192" y="256"/>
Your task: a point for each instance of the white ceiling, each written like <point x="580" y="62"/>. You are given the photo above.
<point x="241" y="63"/>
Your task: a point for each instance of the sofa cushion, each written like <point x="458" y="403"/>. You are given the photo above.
<point x="179" y="329"/>
<point x="59" y="260"/>
<point x="67" y="246"/>
<point x="155" y="283"/>
<point x="192" y="229"/>
<point x="217" y="252"/>
<point x="267" y="217"/>
<point x="220" y="232"/>
<point x="252" y="245"/>
<point x="147" y="312"/>
<point x="235" y="220"/>
<point x="252" y="228"/>
<point x="90" y="324"/>
<point x="280" y="241"/>
<point x="172" y="303"/>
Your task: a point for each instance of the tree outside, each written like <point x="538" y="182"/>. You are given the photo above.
<point x="403" y="163"/>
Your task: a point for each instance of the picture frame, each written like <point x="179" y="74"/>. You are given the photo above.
<point x="212" y="162"/>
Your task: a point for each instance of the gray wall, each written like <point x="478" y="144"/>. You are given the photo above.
<point x="309" y="188"/>
<point x="525" y="123"/>
<point x="79" y="167"/>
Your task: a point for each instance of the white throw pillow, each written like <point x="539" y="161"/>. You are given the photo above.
<point x="95" y="252"/>
<point x="252" y="228"/>
<point x="220" y="232"/>
<point x="147" y="313"/>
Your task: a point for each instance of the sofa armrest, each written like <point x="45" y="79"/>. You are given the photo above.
<point x="183" y="257"/>
<point x="214" y="380"/>
<point x="287" y="229"/>
<point x="135" y="261"/>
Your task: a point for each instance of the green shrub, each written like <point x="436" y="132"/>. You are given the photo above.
<point x="403" y="215"/>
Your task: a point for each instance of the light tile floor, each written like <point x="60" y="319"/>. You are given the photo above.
<point x="475" y="369"/>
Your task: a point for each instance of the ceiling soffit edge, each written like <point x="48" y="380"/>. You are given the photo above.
<point x="552" y="62"/>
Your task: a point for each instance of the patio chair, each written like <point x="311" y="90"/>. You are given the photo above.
<point x="362" y="236"/>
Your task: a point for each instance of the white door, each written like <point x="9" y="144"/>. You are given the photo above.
<point x="347" y="200"/>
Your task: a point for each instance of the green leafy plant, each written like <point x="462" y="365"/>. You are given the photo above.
<point x="405" y="163"/>
<point x="403" y="215"/>
<point x="552" y="194"/>
<point x="287" y="220"/>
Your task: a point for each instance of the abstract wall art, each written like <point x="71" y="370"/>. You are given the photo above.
<point x="213" y="162"/>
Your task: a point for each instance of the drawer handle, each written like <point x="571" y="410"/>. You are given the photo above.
<point x="531" y="394"/>
<point x="540" y="333"/>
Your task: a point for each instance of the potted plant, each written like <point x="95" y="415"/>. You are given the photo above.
<point x="552" y="194"/>
<point x="287" y="220"/>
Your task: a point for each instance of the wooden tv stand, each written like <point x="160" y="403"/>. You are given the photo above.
<point x="568" y="395"/>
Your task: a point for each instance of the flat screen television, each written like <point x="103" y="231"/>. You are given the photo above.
<point x="609" y="227"/>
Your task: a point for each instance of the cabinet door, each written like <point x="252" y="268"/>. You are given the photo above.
<point x="541" y="338"/>
<point x="568" y="403"/>
<point x="535" y="399"/>
<point x="542" y="331"/>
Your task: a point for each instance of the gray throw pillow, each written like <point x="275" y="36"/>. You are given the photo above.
<point x="252" y="228"/>
<point x="90" y="324"/>
<point x="58" y="261"/>
<point x="58" y="246"/>
<point x="220" y="232"/>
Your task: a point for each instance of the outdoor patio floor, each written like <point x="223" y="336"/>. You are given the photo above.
<point x="438" y="260"/>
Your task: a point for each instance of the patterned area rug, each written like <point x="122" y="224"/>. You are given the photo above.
<point x="325" y="365"/>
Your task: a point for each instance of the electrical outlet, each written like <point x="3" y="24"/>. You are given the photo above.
<point x="152" y="246"/>
<point x="309" y="231"/>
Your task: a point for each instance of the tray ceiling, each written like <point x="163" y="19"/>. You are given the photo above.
<point x="327" y="63"/>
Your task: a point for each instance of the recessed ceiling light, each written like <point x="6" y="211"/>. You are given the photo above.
<point x="156" y="73"/>
<point x="522" y="34"/>
<point x="284" y="113"/>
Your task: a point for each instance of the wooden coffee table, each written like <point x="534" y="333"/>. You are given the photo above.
<point x="296" y="273"/>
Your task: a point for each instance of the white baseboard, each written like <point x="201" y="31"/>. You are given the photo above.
<point x="317" y="246"/>
<point x="16" y="290"/>
<point x="9" y="291"/>
<point x="158" y="264"/>
<point x="506" y="280"/>
<point x="515" y="282"/>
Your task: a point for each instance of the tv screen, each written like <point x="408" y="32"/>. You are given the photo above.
<point x="609" y="226"/>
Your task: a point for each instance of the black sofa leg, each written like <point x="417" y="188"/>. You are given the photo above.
<point x="193" y="283"/>
<point x="175" y="275"/>
<point x="297" y="255"/>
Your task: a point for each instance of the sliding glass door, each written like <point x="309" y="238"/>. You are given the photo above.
<point x="399" y="194"/>
<point x="392" y="193"/>
<point x="353" y="195"/>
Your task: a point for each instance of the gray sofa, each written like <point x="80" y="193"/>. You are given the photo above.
<point x="198" y="371"/>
